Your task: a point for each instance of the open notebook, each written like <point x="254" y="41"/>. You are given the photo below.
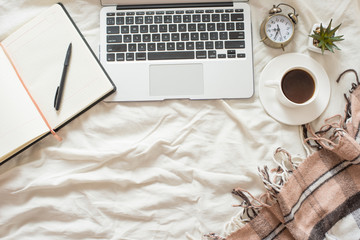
<point x="31" y="64"/>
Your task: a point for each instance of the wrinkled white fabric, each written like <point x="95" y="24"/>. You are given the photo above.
<point x="158" y="170"/>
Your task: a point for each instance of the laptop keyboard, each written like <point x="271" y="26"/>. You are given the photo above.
<point x="175" y="34"/>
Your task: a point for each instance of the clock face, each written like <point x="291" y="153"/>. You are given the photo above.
<point x="279" y="28"/>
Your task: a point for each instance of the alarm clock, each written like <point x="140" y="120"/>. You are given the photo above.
<point x="278" y="29"/>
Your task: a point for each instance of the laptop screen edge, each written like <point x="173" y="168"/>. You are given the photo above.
<point x="147" y="2"/>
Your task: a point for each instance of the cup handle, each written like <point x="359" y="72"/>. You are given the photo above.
<point x="271" y="83"/>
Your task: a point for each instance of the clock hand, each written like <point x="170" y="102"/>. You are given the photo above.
<point x="278" y="29"/>
<point x="277" y="32"/>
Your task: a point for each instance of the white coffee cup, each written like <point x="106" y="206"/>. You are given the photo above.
<point x="297" y="87"/>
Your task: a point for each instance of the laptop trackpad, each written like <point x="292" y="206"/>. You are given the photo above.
<point x="176" y="79"/>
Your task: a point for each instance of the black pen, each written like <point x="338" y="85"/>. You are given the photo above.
<point x="60" y="88"/>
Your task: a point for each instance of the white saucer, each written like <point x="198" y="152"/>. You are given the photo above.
<point x="293" y="116"/>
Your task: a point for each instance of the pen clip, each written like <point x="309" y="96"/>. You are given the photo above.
<point x="56" y="96"/>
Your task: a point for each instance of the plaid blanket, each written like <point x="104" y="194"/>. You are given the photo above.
<point x="318" y="198"/>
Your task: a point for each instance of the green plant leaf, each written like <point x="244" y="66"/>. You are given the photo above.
<point x="337" y="48"/>
<point x="332" y="32"/>
<point x="336" y="39"/>
<point x="328" y="27"/>
<point x="329" y="47"/>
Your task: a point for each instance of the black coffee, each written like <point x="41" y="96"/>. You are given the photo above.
<point x="298" y="86"/>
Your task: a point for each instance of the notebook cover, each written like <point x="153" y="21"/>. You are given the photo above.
<point x="99" y="100"/>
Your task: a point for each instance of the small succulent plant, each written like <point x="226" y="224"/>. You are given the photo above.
<point x="324" y="38"/>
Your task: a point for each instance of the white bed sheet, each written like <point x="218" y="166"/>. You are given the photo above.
<point x="158" y="170"/>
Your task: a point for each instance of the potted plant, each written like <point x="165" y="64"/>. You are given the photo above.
<point x="322" y="38"/>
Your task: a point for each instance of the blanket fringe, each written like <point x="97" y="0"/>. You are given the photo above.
<point x="275" y="179"/>
<point x="213" y="236"/>
<point x="327" y="137"/>
<point x="322" y="136"/>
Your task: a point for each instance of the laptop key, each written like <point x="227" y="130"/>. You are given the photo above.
<point x="225" y="17"/>
<point x="215" y="17"/>
<point x="137" y="38"/>
<point x="234" y="44"/>
<point x="230" y="26"/>
<point x="170" y="46"/>
<point x="219" y="45"/>
<point x="151" y="46"/>
<point x="206" y="17"/>
<point x="236" y="35"/>
<point x="110" y="21"/>
<point x="112" y="30"/>
<point x="110" y="57"/>
<point x="114" y="39"/>
<point x="142" y="47"/>
<point x="125" y="29"/>
<point x="153" y="28"/>
<point x="129" y="56"/>
<point x="185" y="37"/>
<point x="240" y="26"/>
<point x="140" y="56"/>
<point x="190" y="45"/>
<point x="175" y="37"/>
<point x="156" y="37"/>
<point x="144" y="29"/>
<point x="199" y="45"/>
<point x="134" y="29"/>
<point x="186" y="18"/>
<point x="214" y="36"/>
<point x="212" y="54"/>
<point x="132" y="47"/>
<point x="211" y="27"/>
<point x="220" y="26"/>
<point x="168" y="19"/>
<point x="165" y="37"/>
<point x="237" y="17"/>
<point x="146" y="37"/>
<point x="196" y="18"/>
<point x="139" y="20"/>
<point x="158" y="19"/>
<point x="163" y="28"/>
<point x="194" y="36"/>
<point x="160" y="46"/>
<point x="127" y="38"/>
<point x="209" y="45"/>
<point x="192" y="27"/>
<point x="120" y="57"/>
<point x="171" y="55"/>
<point x="116" y="48"/>
<point x="129" y="20"/>
<point x="180" y="46"/>
<point x="182" y="27"/>
<point x="149" y="19"/>
<point x="223" y="35"/>
<point x="204" y="36"/>
<point x="172" y="28"/>
<point x="200" y="54"/>
<point x="201" y="27"/>
<point x="120" y="20"/>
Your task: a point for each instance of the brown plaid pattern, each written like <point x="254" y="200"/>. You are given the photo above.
<point x="324" y="189"/>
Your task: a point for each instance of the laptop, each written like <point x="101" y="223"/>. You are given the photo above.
<point x="177" y="49"/>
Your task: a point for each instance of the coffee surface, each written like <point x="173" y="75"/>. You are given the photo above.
<point x="298" y="86"/>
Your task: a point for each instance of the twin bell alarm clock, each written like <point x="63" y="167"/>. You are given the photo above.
<point x="278" y="29"/>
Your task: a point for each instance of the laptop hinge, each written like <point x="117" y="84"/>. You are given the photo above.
<point x="175" y="5"/>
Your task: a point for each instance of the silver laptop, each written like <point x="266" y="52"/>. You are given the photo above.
<point x="177" y="49"/>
